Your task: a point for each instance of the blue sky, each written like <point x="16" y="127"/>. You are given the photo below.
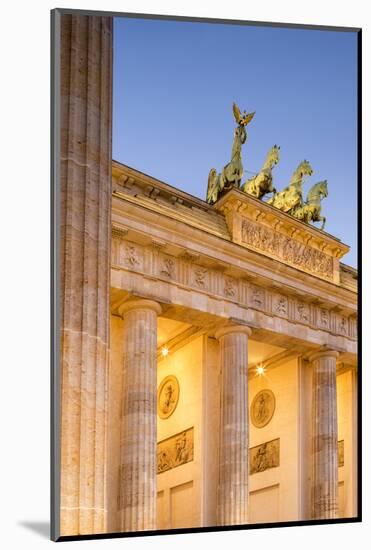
<point x="174" y="85"/>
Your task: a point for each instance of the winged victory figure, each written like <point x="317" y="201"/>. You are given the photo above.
<point x="232" y="172"/>
<point x="242" y="120"/>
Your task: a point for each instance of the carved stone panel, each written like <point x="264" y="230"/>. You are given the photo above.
<point x="264" y="456"/>
<point x="324" y="318"/>
<point x="167" y="396"/>
<point x="130" y="255"/>
<point x="262" y="408"/>
<point x="280" y="305"/>
<point x="230" y="287"/>
<point x="286" y="249"/>
<point x="302" y="312"/>
<point x="342" y="326"/>
<point x="167" y="267"/>
<point x="257" y="297"/>
<point x="175" y="451"/>
<point x="200" y="277"/>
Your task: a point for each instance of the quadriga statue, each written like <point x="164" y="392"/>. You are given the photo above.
<point x="292" y="196"/>
<point x="231" y="174"/>
<point x="311" y="209"/>
<point x="262" y="183"/>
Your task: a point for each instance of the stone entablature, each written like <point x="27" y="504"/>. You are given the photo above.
<point x="257" y="225"/>
<point x="187" y="270"/>
<point x="174" y="248"/>
<point x="244" y="220"/>
<point x="348" y="277"/>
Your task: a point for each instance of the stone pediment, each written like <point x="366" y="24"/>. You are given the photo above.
<point x="263" y="228"/>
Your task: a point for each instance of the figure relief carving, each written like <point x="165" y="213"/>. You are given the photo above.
<point x="303" y="311"/>
<point x="230" y="287"/>
<point x="257" y="297"/>
<point x="200" y="276"/>
<point x="264" y="456"/>
<point x="286" y="248"/>
<point x="281" y="305"/>
<point x="262" y="408"/>
<point x="168" y="268"/>
<point x="175" y="451"/>
<point x="324" y="317"/>
<point x="343" y="325"/>
<point x="132" y="256"/>
<point x="167" y="396"/>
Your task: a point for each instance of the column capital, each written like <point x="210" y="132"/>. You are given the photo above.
<point x="322" y="353"/>
<point x="232" y="329"/>
<point x="137" y="305"/>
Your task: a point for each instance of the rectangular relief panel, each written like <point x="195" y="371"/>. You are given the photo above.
<point x="264" y="456"/>
<point x="175" y="451"/>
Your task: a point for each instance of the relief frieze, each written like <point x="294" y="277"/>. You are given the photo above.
<point x="287" y="249"/>
<point x="212" y="280"/>
<point x="264" y="456"/>
<point x="175" y="451"/>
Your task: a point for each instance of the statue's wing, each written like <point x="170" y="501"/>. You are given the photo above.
<point x="237" y="113"/>
<point x="248" y="118"/>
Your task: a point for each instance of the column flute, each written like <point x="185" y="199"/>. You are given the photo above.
<point x="233" y="487"/>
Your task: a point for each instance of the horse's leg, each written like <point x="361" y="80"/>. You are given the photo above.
<point x="323" y="219"/>
<point x="246" y="188"/>
<point x="238" y="176"/>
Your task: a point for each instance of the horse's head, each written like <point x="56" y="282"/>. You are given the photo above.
<point x="317" y="191"/>
<point x="322" y="188"/>
<point x="305" y="168"/>
<point x="274" y="155"/>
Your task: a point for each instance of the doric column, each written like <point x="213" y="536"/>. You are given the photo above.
<point x="139" y="422"/>
<point x="233" y="489"/>
<point x="325" y="436"/>
<point x="85" y="226"/>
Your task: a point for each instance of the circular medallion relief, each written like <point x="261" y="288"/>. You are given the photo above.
<point x="167" y="396"/>
<point x="262" y="408"/>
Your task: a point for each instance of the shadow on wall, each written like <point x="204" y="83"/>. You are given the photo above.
<point x="42" y="528"/>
